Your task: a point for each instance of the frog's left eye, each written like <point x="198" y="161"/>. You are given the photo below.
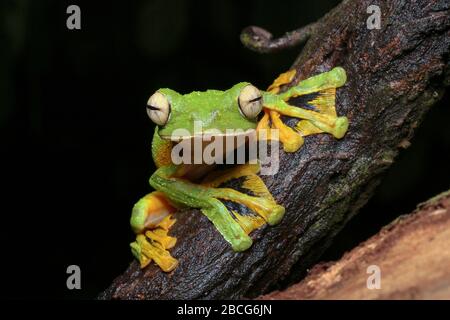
<point x="250" y="101"/>
<point x="158" y="108"/>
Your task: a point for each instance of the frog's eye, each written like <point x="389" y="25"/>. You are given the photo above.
<point x="250" y="101"/>
<point x="158" y="108"/>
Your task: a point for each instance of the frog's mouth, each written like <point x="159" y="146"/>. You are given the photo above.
<point x="210" y="136"/>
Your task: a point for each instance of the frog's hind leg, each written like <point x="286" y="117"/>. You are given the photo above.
<point x="151" y="220"/>
<point x="150" y="211"/>
<point x="260" y="202"/>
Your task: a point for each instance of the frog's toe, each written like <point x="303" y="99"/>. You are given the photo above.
<point x="276" y="214"/>
<point x="242" y="244"/>
<point x="282" y="79"/>
<point x="139" y="255"/>
<point x="340" y="127"/>
<point x="291" y="140"/>
<point x="145" y="249"/>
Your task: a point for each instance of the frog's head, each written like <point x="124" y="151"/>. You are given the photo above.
<point x="212" y="112"/>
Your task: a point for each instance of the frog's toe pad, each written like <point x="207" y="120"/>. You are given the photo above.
<point x="341" y="126"/>
<point x="242" y="244"/>
<point x="275" y="215"/>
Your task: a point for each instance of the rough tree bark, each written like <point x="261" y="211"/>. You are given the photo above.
<point x="395" y="74"/>
<point x="412" y="254"/>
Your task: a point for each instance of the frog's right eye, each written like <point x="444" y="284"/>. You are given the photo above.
<point x="158" y="108"/>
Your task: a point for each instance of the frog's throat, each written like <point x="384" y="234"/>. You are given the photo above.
<point x="209" y="136"/>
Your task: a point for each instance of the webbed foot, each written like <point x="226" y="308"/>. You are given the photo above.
<point x="316" y="99"/>
<point x="151" y="219"/>
<point x="261" y="201"/>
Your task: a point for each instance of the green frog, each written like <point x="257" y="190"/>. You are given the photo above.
<point x="201" y="117"/>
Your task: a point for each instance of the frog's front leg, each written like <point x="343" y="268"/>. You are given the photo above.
<point x="260" y="202"/>
<point x="337" y="126"/>
<point x="181" y="191"/>
<point x="319" y="94"/>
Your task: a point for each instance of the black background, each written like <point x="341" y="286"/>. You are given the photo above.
<point x="75" y="138"/>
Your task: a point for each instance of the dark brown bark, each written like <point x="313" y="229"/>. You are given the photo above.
<point x="412" y="254"/>
<point x="394" y="76"/>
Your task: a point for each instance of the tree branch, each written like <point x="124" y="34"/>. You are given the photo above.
<point x="261" y="40"/>
<point x="411" y="253"/>
<point x="395" y="75"/>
